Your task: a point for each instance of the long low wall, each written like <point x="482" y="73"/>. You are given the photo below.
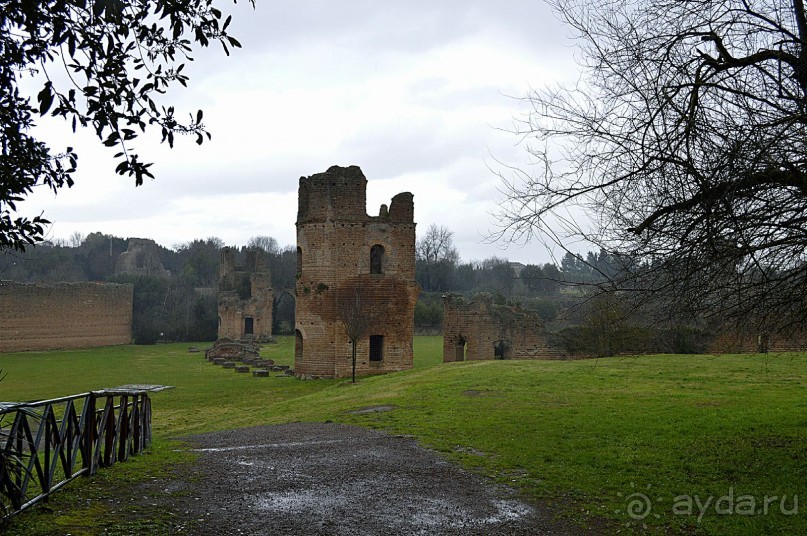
<point x="47" y="316"/>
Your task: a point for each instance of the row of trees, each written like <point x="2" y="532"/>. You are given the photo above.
<point x="439" y="269"/>
<point x="577" y="299"/>
<point x="181" y="306"/>
<point x="94" y="258"/>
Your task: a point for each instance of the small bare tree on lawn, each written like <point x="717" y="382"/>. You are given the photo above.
<point x="353" y="311"/>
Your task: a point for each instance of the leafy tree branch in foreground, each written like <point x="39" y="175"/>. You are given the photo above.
<point x="104" y="65"/>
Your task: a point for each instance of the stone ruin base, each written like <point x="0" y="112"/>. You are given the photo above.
<point x="231" y="350"/>
<point x="240" y="356"/>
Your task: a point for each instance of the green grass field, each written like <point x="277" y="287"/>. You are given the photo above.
<point x="696" y="444"/>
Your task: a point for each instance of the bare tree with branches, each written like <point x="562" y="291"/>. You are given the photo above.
<point x="437" y="258"/>
<point x="356" y="316"/>
<point x="682" y="147"/>
<point x="266" y="243"/>
<point x="437" y="245"/>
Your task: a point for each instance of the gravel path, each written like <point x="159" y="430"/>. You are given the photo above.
<point x="322" y="479"/>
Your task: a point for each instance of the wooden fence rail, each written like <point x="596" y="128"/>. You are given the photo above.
<point x="47" y="444"/>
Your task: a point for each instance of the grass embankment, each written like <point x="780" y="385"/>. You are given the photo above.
<point x="699" y="444"/>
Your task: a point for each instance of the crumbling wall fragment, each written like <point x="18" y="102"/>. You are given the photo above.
<point x="245" y="297"/>
<point x="479" y="329"/>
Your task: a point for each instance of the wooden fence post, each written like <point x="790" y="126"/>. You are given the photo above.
<point x="89" y="435"/>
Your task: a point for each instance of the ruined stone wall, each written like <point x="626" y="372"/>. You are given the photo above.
<point x="142" y="258"/>
<point x="473" y="329"/>
<point x="64" y="315"/>
<point x="335" y="240"/>
<point x="745" y="342"/>
<point x="244" y="293"/>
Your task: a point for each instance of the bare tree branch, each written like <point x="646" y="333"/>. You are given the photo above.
<point x="683" y="147"/>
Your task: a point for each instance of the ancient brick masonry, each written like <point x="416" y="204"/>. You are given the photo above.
<point x="245" y="298"/>
<point x="141" y="257"/>
<point x="343" y="253"/>
<point x="739" y="341"/>
<point x="479" y="329"/>
<point x="64" y="315"/>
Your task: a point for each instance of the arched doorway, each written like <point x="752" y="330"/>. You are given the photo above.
<point x="460" y="349"/>
<point x="283" y="312"/>
<point x="298" y="346"/>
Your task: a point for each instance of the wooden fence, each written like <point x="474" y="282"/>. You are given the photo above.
<point x="47" y="444"/>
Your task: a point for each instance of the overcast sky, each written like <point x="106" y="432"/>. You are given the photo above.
<point x="415" y="93"/>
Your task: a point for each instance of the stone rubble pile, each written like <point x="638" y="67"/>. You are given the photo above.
<point x="243" y="357"/>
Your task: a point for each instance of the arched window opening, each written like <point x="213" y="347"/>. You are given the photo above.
<point x="377" y="259"/>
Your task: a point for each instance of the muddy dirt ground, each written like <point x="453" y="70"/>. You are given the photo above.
<point x="323" y="479"/>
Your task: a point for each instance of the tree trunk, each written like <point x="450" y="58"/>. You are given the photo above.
<point x="354" y="361"/>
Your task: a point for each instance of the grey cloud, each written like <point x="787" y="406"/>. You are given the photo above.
<point x="396" y="149"/>
<point x="414" y="25"/>
<point x="434" y="94"/>
<point x="258" y="177"/>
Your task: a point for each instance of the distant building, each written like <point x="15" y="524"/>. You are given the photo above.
<point x="245" y="297"/>
<point x="479" y="329"/>
<point x="517" y="267"/>
<point x="345" y="256"/>
<point x="141" y="258"/>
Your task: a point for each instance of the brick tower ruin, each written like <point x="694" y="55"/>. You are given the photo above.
<point x="245" y="297"/>
<point x="353" y="270"/>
